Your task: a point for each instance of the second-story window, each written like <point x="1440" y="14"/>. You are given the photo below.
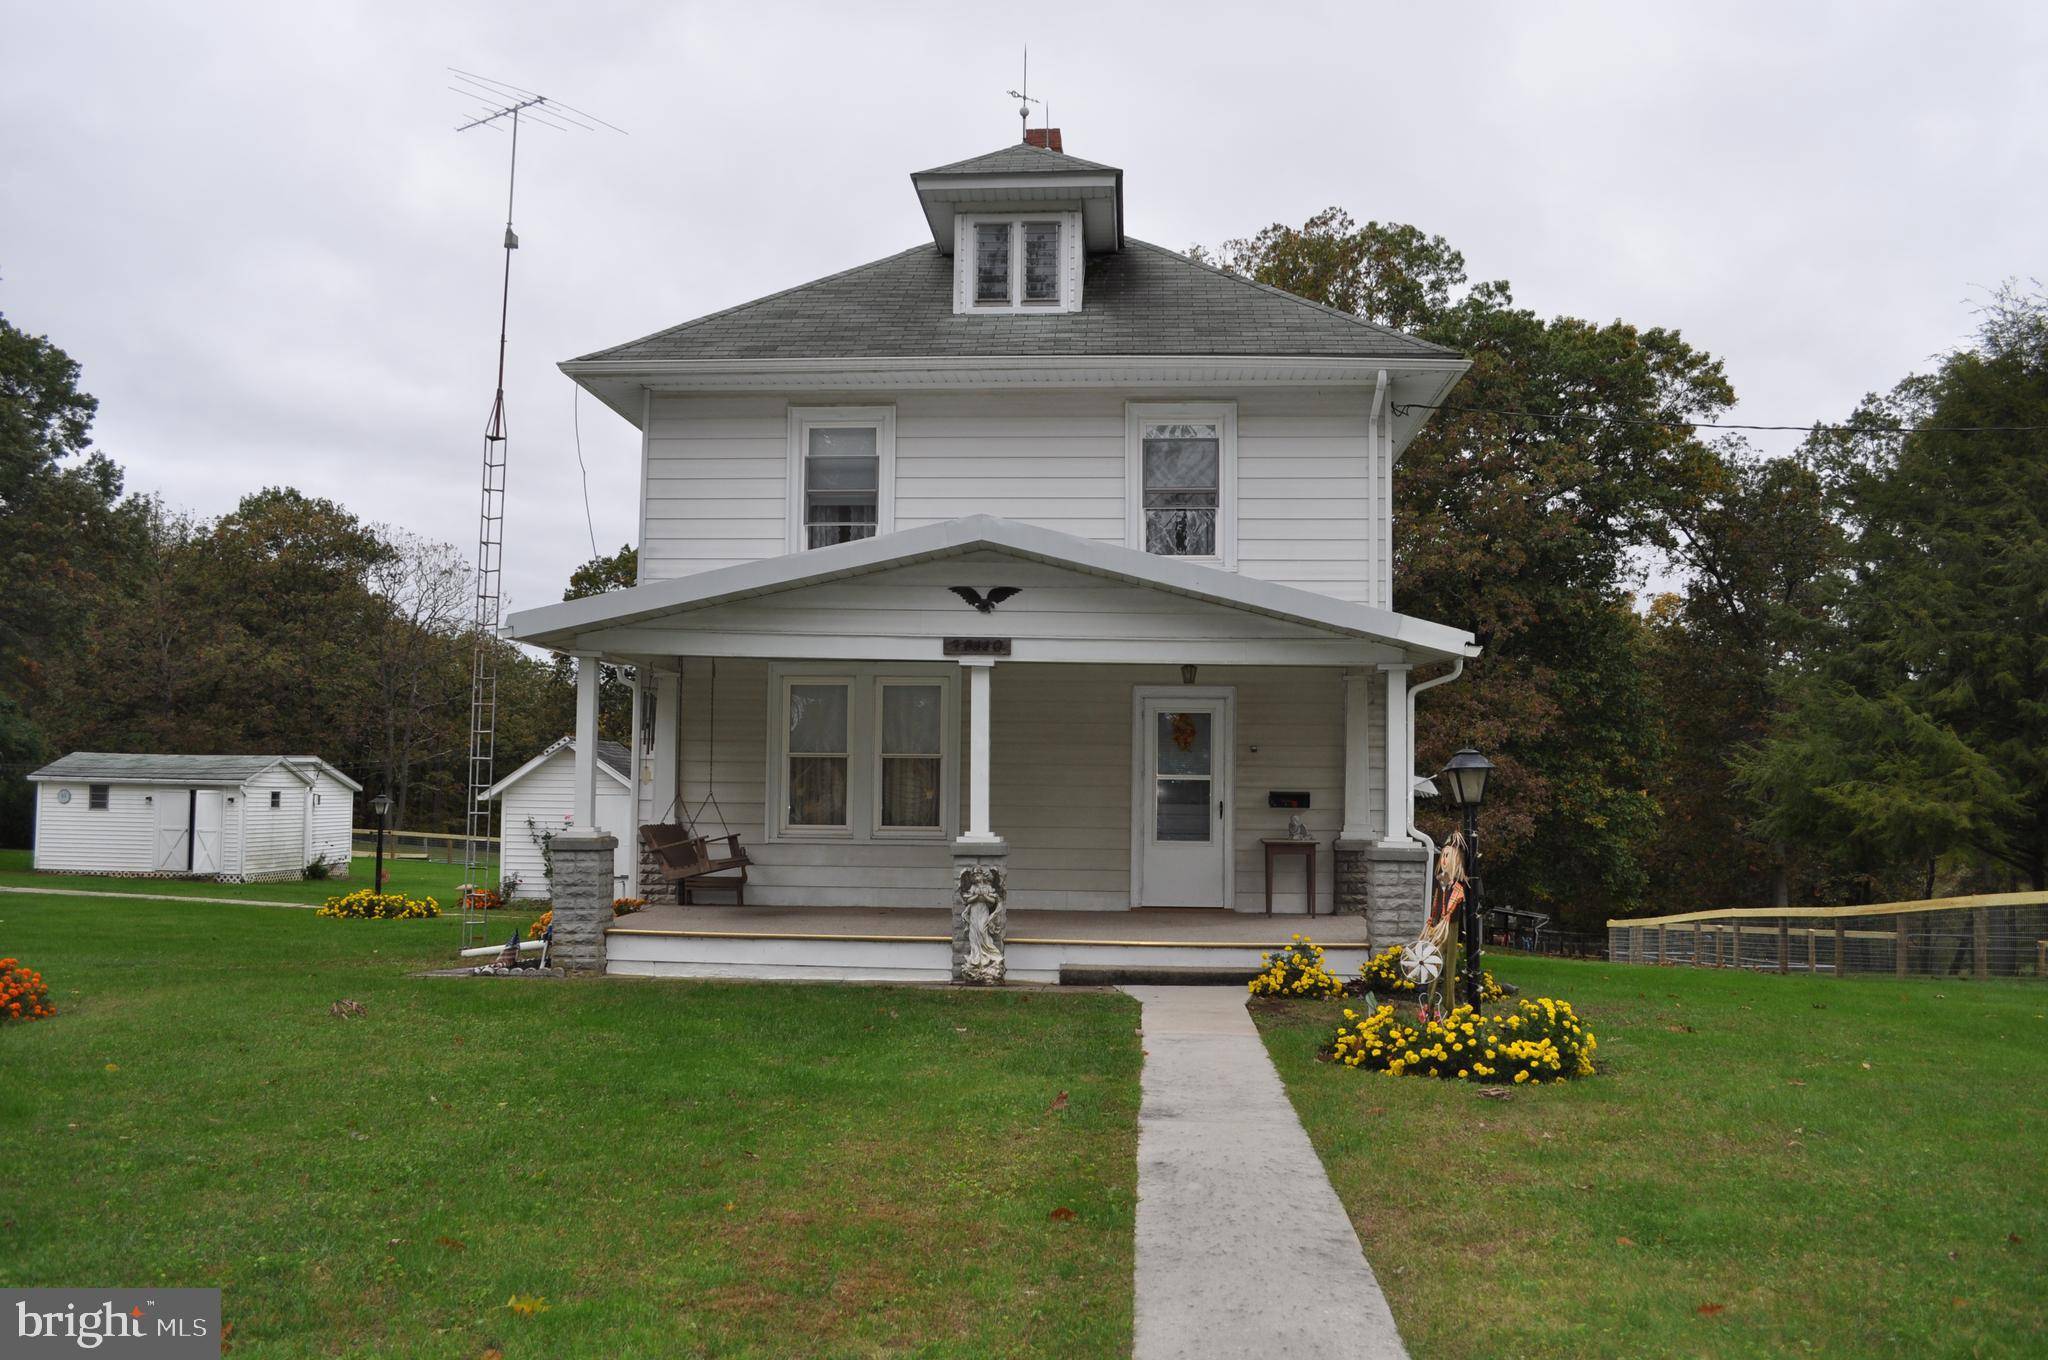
<point x="1183" y="461"/>
<point x="841" y="464"/>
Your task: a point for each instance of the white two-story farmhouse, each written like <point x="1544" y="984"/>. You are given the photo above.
<point x="1036" y="546"/>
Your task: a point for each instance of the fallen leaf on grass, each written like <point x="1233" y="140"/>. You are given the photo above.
<point x="1059" y="1102"/>
<point x="112" y="1067"/>
<point x="1866" y="1067"/>
<point x="1062" y="1215"/>
<point x="491" y="1353"/>
<point x="1496" y="1093"/>
<point x="1624" y="1241"/>
<point x="526" y="1305"/>
<point x="1794" y="1082"/>
<point x="453" y="1244"/>
<point x="1712" y="1309"/>
<point x="1959" y="1303"/>
<point x="346" y="1009"/>
<point x="2014" y="1238"/>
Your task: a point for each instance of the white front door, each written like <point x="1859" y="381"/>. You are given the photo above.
<point x="1182" y="810"/>
<point x="206" y="820"/>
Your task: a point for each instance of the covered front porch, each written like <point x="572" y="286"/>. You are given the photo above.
<point x="914" y="944"/>
<point x="1109" y="739"/>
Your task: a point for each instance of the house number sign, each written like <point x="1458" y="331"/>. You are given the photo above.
<point x="977" y="646"/>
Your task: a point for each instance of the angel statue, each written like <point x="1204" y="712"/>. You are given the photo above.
<point x="983" y="888"/>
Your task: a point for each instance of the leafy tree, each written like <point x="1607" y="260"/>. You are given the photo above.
<point x="1922" y="730"/>
<point x="1522" y="512"/>
<point x="615" y="571"/>
<point x="63" y="523"/>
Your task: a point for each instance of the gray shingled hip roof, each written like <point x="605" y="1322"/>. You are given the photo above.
<point x="1142" y="300"/>
<point x="1020" y="159"/>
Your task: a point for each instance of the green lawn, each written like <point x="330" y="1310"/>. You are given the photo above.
<point x="420" y="878"/>
<point x="1766" y="1166"/>
<point x="676" y="1168"/>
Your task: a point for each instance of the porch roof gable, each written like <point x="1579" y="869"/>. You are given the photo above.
<point x="558" y="625"/>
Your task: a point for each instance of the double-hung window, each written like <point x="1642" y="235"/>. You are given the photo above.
<point x="818" y="750"/>
<point x="910" y="753"/>
<point x="1183" y="464"/>
<point x="1026" y="263"/>
<point x="841" y="473"/>
<point x="863" y="754"/>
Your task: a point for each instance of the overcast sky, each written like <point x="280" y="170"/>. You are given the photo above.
<point x="256" y="229"/>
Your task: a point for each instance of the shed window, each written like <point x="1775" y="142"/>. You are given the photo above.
<point x="96" y="796"/>
<point x="276" y="798"/>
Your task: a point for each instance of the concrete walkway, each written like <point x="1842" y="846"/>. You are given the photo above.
<point x="1243" y="1247"/>
<point x="159" y="897"/>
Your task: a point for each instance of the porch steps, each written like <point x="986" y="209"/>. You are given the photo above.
<point x="1151" y="975"/>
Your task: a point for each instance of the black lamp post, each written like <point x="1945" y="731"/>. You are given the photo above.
<point x="1464" y="783"/>
<point x="381" y="806"/>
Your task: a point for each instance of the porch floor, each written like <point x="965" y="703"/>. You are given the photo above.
<point x="910" y="944"/>
<point x="1191" y="928"/>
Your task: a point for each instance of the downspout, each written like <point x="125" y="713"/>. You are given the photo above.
<point x="1415" y="832"/>
<point x="1383" y="508"/>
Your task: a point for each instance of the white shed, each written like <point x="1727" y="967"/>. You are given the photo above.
<point x="234" y="818"/>
<point x="539" y="798"/>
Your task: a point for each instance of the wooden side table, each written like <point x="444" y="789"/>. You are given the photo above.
<point x="1287" y="845"/>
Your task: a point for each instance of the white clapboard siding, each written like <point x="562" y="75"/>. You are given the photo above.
<point x="119" y="839"/>
<point x="333" y="815"/>
<point x="542" y="802"/>
<point x="717" y="475"/>
<point x="1060" y="786"/>
<point x="274" y="838"/>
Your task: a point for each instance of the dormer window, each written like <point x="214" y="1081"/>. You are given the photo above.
<point x="1023" y="263"/>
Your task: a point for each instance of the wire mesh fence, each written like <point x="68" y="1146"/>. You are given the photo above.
<point x="2003" y="935"/>
<point x="433" y="846"/>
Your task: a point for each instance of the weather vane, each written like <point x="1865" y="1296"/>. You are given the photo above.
<point x="1023" y="96"/>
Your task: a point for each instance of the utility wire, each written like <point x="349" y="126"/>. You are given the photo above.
<point x="576" y="424"/>
<point x="1402" y="409"/>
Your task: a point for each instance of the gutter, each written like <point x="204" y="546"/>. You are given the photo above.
<point x="1415" y="832"/>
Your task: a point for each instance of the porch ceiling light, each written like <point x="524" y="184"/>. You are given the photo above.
<point x="1187" y="675"/>
<point x="1464" y="778"/>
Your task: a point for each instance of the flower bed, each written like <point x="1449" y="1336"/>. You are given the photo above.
<point x="1380" y="975"/>
<point x="540" y="924"/>
<point x="1296" y="971"/>
<point x="1539" y="1040"/>
<point x="626" y="906"/>
<point x="365" y="904"/>
<point x="23" y="994"/>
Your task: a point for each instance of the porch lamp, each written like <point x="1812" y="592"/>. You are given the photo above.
<point x="1464" y="783"/>
<point x="380" y="807"/>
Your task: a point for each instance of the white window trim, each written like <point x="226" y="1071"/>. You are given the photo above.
<point x="949" y="756"/>
<point x="779" y="783"/>
<point x="864" y="751"/>
<point x="804" y="419"/>
<point x="1137" y="415"/>
<point x="1071" y="260"/>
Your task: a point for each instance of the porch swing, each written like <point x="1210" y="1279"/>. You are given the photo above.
<point x="682" y="855"/>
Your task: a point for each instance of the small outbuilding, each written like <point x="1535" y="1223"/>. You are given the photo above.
<point x="539" y="798"/>
<point x="232" y="818"/>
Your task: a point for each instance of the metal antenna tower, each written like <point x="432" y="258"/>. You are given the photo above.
<point x="502" y="106"/>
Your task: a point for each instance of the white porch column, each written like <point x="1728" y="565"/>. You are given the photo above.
<point x="980" y="671"/>
<point x="1358" y="822"/>
<point x="638" y="779"/>
<point x="586" y="741"/>
<point x="1400" y="759"/>
<point x="667" y="782"/>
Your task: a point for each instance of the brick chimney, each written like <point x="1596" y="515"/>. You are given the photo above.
<point x="1047" y="138"/>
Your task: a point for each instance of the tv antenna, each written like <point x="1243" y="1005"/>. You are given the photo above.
<point x="504" y="107"/>
<point x="1023" y="97"/>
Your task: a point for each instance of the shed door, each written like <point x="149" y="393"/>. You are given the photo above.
<point x="206" y="820"/>
<point x="1184" y="800"/>
<point x="173" y="829"/>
